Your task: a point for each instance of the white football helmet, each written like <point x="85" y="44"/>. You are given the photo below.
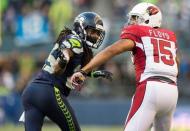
<point x="145" y="14"/>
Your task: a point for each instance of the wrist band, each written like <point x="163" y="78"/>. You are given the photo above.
<point x="83" y="72"/>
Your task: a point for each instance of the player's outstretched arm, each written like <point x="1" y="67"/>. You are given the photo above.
<point x="103" y="56"/>
<point x="118" y="47"/>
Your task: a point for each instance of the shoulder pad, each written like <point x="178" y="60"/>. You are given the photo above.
<point x="130" y="32"/>
<point x="131" y="29"/>
<point x="74" y="43"/>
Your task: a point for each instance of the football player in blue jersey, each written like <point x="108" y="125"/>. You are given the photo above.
<point x="46" y="94"/>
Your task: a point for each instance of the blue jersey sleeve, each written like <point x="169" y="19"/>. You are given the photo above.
<point x="73" y="43"/>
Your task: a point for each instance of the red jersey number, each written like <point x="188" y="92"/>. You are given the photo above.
<point x="161" y="53"/>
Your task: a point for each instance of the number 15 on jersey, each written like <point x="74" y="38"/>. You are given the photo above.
<point x="163" y="51"/>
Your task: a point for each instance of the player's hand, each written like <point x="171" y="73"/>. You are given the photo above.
<point x="102" y="74"/>
<point x="77" y="80"/>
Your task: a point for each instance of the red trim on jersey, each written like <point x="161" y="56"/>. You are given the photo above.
<point x="137" y="100"/>
<point x="139" y="62"/>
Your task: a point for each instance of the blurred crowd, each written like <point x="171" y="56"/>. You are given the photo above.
<point x="29" y="27"/>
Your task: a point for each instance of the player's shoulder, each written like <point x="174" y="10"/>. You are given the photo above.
<point x="133" y="32"/>
<point x="134" y="29"/>
<point x="73" y="36"/>
<point x="74" y="43"/>
<point x="171" y="34"/>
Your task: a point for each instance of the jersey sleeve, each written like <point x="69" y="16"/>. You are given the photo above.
<point x="129" y="32"/>
<point x="73" y="43"/>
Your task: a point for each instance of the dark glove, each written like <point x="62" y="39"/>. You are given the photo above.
<point x="101" y="73"/>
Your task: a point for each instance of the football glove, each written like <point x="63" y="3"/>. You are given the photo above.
<point x="101" y="74"/>
<point x="78" y="79"/>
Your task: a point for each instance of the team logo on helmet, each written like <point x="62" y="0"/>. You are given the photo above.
<point x="152" y="10"/>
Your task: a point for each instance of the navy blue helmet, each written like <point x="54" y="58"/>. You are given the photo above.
<point x="89" y="26"/>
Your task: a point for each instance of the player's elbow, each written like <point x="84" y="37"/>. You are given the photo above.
<point x="60" y="65"/>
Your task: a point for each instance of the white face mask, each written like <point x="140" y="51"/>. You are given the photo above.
<point x="135" y="20"/>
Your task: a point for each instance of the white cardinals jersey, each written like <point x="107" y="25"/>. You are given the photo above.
<point x="154" y="53"/>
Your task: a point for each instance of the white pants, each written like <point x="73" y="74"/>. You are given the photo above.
<point x="152" y="105"/>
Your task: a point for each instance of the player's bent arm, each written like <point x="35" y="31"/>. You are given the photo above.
<point x="61" y="63"/>
<point x="118" y="47"/>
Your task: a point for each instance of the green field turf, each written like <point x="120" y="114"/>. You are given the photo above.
<point x="84" y="128"/>
<point x="54" y="128"/>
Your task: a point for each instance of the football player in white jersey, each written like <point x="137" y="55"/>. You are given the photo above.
<point x="156" y="62"/>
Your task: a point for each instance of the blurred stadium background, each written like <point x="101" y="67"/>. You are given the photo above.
<point x="29" y="27"/>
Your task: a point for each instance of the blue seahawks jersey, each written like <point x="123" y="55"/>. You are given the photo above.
<point x="72" y="42"/>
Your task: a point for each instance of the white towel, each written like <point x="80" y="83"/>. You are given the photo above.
<point x="22" y="117"/>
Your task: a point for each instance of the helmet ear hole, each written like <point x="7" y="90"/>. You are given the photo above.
<point x="147" y="21"/>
